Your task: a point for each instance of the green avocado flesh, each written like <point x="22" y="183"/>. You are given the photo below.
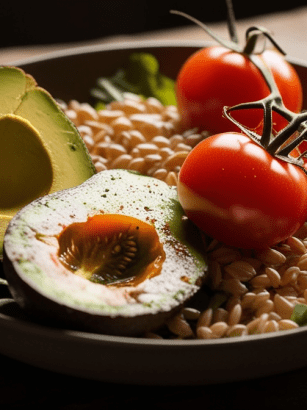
<point x="58" y="248"/>
<point x="41" y="150"/>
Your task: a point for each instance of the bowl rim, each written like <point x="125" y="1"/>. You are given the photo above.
<point x="126" y="45"/>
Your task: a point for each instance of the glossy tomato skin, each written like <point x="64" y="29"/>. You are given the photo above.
<point x="237" y="193"/>
<point x="215" y="77"/>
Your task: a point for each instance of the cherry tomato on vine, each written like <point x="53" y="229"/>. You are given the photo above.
<point x="301" y="149"/>
<point x="216" y="76"/>
<point x="239" y="194"/>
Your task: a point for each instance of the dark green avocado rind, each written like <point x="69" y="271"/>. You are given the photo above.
<point x="39" y="284"/>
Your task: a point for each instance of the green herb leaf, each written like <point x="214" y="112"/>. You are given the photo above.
<point x="299" y="314"/>
<point x="141" y="76"/>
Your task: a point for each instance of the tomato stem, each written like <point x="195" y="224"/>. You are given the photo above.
<point x="231" y="22"/>
<point x="296" y="124"/>
<point x="283" y="143"/>
<point x="252" y="36"/>
<point x="231" y="45"/>
<point x="293" y="144"/>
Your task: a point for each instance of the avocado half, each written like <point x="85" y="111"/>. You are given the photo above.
<point x="41" y="150"/>
<point x="115" y="255"/>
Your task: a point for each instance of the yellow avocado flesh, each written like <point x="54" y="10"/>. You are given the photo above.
<point x="14" y="83"/>
<point x="41" y="150"/>
<point x="25" y="167"/>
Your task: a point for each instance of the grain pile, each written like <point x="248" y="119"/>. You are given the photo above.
<point x="133" y="134"/>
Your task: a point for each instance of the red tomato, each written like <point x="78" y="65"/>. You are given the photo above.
<point x="215" y="77"/>
<point x="301" y="149"/>
<point x="237" y="193"/>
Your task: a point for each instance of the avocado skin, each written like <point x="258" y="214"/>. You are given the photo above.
<point x="59" y="300"/>
<point x="55" y="138"/>
<point x="46" y="312"/>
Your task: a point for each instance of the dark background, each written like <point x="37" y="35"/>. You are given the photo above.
<point x="58" y="21"/>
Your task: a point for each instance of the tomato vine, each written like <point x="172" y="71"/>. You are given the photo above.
<point x="246" y="189"/>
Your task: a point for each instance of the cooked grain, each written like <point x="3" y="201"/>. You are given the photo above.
<point x="232" y="301"/>
<point x="265" y="307"/>
<point x="273" y="275"/>
<point x="283" y="307"/>
<point x="235" y="315"/>
<point x="237" y="330"/>
<point x="220" y="314"/>
<point x="241" y="270"/>
<point x="260" y="281"/>
<point x="274" y="316"/>
<point x="252" y="326"/>
<point x="233" y="286"/>
<point x="204" y="332"/>
<point x="286" y="324"/>
<point x="296" y="245"/>
<point x="180" y="327"/>
<point x="205" y="318"/>
<point x="171" y="178"/>
<point x="302" y="262"/>
<point x="218" y="329"/>
<point x="271" y="257"/>
<point x="248" y="300"/>
<point x="225" y="255"/>
<point x="271" y="326"/>
<point x="290" y="275"/>
<point x="190" y="313"/>
<point x="260" y="298"/>
<point x="160" y="173"/>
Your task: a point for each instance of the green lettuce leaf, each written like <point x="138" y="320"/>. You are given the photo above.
<point x="299" y="314"/>
<point x="141" y="76"/>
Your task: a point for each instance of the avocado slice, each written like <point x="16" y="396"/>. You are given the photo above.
<point x="61" y="268"/>
<point x="41" y="149"/>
